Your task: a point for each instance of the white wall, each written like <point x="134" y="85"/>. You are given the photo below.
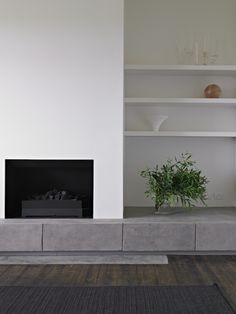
<point x="156" y="29"/>
<point x="61" y="88"/>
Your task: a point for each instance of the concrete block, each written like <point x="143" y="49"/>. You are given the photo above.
<point x="82" y="237"/>
<point x="20" y="237"/>
<point x="216" y="236"/>
<point x="159" y="237"/>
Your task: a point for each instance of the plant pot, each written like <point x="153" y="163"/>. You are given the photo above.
<point x="166" y="210"/>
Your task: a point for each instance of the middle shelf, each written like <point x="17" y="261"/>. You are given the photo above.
<point x="180" y="101"/>
<point x="169" y="101"/>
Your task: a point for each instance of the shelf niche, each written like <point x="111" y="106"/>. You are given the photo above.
<point x="155" y="82"/>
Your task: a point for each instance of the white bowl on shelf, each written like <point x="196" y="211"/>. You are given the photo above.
<point x="155" y="120"/>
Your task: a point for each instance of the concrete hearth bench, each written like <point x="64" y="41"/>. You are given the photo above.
<point x="198" y="231"/>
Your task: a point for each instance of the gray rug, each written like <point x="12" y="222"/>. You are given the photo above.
<point x="114" y="300"/>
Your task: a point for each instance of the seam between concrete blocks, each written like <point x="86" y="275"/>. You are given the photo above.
<point x="42" y="237"/>
<point x="122" y="238"/>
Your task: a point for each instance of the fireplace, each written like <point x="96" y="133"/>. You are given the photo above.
<point x="48" y="188"/>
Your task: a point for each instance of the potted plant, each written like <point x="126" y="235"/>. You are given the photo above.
<point x="177" y="181"/>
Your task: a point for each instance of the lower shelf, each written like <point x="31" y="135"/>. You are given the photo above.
<point x="178" y="134"/>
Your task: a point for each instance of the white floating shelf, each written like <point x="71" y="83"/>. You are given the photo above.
<point x="225" y="70"/>
<point x="178" y="134"/>
<point x="181" y="101"/>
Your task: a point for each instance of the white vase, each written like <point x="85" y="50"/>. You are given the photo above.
<point x="156" y="120"/>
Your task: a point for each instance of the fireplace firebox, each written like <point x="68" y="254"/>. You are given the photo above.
<point x="48" y="188"/>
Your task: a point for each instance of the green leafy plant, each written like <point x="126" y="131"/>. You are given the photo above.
<point x="177" y="181"/>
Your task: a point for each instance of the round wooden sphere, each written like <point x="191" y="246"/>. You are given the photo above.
<point x="212" y="91"/>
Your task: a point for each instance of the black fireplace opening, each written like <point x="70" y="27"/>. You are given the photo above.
<point x="48" y="188"/>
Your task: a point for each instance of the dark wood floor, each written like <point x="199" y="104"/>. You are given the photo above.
<point x="181" y="270"/>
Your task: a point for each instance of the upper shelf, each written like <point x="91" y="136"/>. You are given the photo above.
<point x="224" y="70"/>
<point x="181" y="101"/>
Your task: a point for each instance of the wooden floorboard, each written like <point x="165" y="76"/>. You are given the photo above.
<point x="181" y="270"/>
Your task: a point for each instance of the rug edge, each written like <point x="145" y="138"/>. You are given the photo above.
<point x="225" y="297"/>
